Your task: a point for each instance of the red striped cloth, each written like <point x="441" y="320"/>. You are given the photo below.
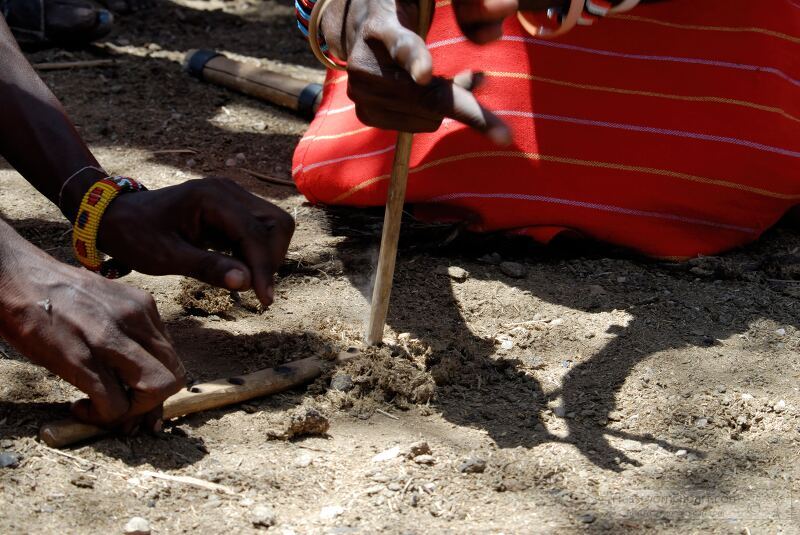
<point x="673" y="130"/>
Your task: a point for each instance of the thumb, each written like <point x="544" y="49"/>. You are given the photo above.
<point x="409" y="51"/>
<point x="213" y="268"/>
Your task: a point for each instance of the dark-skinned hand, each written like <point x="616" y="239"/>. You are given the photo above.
<point x="104" y="337"/>
<point x="170" y="231"/>
<point x="390" y="69"/>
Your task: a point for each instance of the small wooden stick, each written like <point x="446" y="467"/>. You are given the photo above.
<point x="205" y="396"/>
<point x="188" y="480"/>
<point x="381" y="292"/>
<point x="74" y="65"/>
<point x="268" y="178"/>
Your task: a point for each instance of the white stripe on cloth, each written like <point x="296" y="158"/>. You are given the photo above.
<point x="591" y="206"/>
<point x="650" y="130"/>
<point x="346" y="158"/>
<point x="336" y="110"/>
<point x="643" y="57"/>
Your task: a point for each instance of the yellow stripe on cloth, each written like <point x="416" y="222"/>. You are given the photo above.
<point x="577" y="162"/>
<point x="621" y="91"/>
<point x="699" y="27"/>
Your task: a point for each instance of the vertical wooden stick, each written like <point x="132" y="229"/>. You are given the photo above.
<point x="384" y="274"/>
<point x="391" y="235"/>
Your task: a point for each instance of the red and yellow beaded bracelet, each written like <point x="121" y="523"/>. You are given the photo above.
<point x="87" y="224"/>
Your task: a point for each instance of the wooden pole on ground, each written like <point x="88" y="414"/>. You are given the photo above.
<point x="205" y="396"/>
<point x="384" y="273"/>
<point x="268" y="86"/>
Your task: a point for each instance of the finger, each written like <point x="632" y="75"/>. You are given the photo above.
<point x="153" y="421"/>
<point x="457" y="103"/>
<point x="408" y="50"/>
<point x="385" y="119"/>
<point x="469" y="80"/>
<point x="483" y="33"/>
<point x="152" y="334"/>
<point x="257" y="231"/>
<point x="107" y="403"/>
<point x="149" y="381"/>
<point x="481" y="20"/>
<point x="159" y="345"/>
<point x="213" y="268"/>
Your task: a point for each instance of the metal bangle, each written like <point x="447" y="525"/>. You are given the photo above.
<point x="313" y="37"/>
<point x="73" y="175"/>
<point x="569" y="22"/>
<point x="625" y="5"/>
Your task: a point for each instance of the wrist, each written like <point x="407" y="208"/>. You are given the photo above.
<point x="75" y="188"/>
<point x="334" y="26"/>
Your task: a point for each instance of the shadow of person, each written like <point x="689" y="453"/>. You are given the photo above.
<point x="666" y="308"/>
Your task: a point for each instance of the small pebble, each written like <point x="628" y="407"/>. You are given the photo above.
<point x="424" y="459"/>
<point x="230" y="162"/>
<point x="374" y="489"/>
<point x="241" y="158"/>
<point x="387" y="455"/>
<point x="473" y="465"/>
<point x="9" y="459"/>
<point x="513" y="270"/>
<point x="330" y="512"/>
<point x="304" y="460"/>
<point x="137" y="526"/>
<point x="505" y="342"/>
<point x="631" y="445"/>
<point x="457" y="274"/>
<point x="588" y="518"/>
<point x="559" y="411"/>
<point x="342" y="382"/>
<point x="556" y="322"/>
<point x="492" y="259"/>
<point x="404" y="337"/>
<point x="263" y="516"/>
<point x="191" y="162"/>
<point x="721" y="389"/>
<point x="394" y="486"/>
<point x="781" y="332"/>
<point x="681" y="453"/>
<point x="779" y="406"/>
<point x="701" y="423"/>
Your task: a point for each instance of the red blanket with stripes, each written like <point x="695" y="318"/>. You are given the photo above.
<point x="673" y="130"/>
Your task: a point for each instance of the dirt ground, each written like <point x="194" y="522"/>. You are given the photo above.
<point x="599" y="391"/>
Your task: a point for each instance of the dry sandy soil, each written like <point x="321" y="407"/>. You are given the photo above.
<point x="603" y="391"/>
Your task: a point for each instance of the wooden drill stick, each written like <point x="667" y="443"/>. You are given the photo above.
<point x="204" y="396"/>
<point x="384" y="274"/>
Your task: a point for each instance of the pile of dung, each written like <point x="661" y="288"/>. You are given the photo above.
<point x="200" y="299"/>
<point x="374" y="378"/>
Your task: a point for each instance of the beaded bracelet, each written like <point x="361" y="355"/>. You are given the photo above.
<point x="87" y="224"/>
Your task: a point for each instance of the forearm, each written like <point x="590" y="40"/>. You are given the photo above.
<point x="36" y="136"/>
<point x="18" y="259"/>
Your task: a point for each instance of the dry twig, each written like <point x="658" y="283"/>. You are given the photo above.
<point x="267" y="178"/>
<point x="66" y="65"/>
<point x="188" y="480"/>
